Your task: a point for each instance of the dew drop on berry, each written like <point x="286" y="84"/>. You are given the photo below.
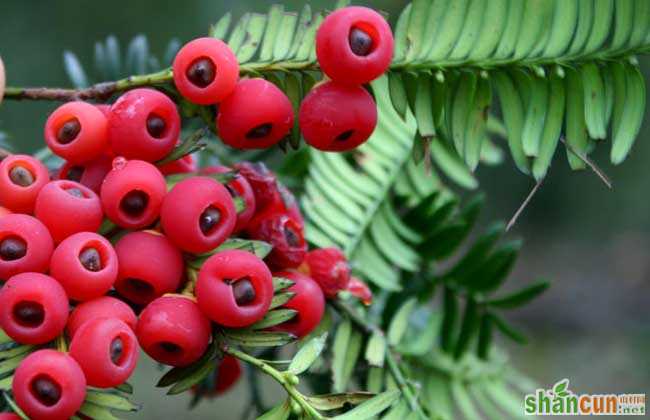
<point x="21" y="176"/>
<point x="119" y="163"/>
<point x="156" y="126"/>
<point x="12" y="248"/>
<point x="29" y="314"/>
<point x="117" y="349"/>
<point x="201" y="72"/>
<point x="243" y="291"/>
<point x="90" y="259"/>
<point x="134" y="203"/>
<point x="46" y="390"/>
<point x="68" y="131"/>
<point x="209" y="219"/>
<point x="75" y="173"/>
<point x="360" y="42"/>
<point x="260" y="131"/>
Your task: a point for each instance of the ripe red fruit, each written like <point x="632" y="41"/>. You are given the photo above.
<point x="329" y="268"/>
<point x="256" y="115"/>
<point x="33" y="308"/>
<point x="149" y="266"/>
<point x="360" y="290"/>
<point x="67" y="207"/>
<point x="99" y="308"/>
<point x="132" y="193"/>
<point x="354" y="45"/>
<point x="226" y="376"/>
<point x="172" y="330"/>
<point x="262" y="181"/>
<point x="184" y="165"/>
<point x="238" y="187"/>
<point x="107" y="351"/>
<point x="21" y="179"/>
<point x="234" y="288"/>
<point x="25" y="245"/>
<point x="9" y="416"/>
<point x="86" y="266"/>
<point x="77" y="132"/>
<point x="328" y="126"/>
<point x="4" y="211"/>
<point x="91" y="174"/>
<point x="285" y="234"/>
<point x="144" y="124"/>
<point x="308" y="301"/>
<point x="285" y="202"/>
<point x="205" y="71"/>
<point x="198" y="214"/>
<point x="49" y="385"/>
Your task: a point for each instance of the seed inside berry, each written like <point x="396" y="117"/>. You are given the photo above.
<point x="75" y="173"/>
<point x="12" y="248"/>
<point x="260" y="131"/>
<point x="345" y="135"/>
<point x="134" y="203"/>
<point x="243" y="291"/>
<point x="292" y="237"/>
<point x="75" y="192"/>
<point x="46" y="390"/>
<point x="201" y="72"/>
<point x="29" y="314"/>
<point x="360" y="42"/>
<point x="20" y="175"/>
<point x="117" y="349"/>
<point x="169" y="347"/>
<point x="68" y="131"/>
<point x="155" y="126"/>
<point x="140" y="287"/>
<point x="90" y="259"/>
<point x="209" y="219"/>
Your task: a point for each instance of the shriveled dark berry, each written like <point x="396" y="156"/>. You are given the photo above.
<point x="134" y="203"/>
<point x="360" y="42"/>
<point x="76" y="192"/>
<point x="156" y="126"/>
<point x="209" y="219"/>
<point x="292" y="237"/>
<point x="20" y="175"/>
<point x="46" y="390"/>
<point x="170" y="347"/>
<point x="12" y="248"/>
<point x="260" y="131"/>
<point x="29" y="314"/>
<point x="117" y="349"/>
<point x="243" y="291"/>
<point x="90" y="259"/>
<point x="68" y="131"/>
<point x="345" y="135"/>
<point x="201" y="72"/>
<point x="75" y="173"/>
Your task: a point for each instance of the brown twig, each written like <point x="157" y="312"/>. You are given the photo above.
<point x="521" y="208"/>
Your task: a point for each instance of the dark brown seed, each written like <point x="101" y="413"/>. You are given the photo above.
<point x="140" y="287"/>
<point x="345" y="135"/>
<point x="20" y="175"/>
<point x="243" y="291"/>
<point x="260" y="131"/>
<point x="209" y="219"/>
<point x="168" y="347"/>
<point x="155" y="126"/>
<point x="75" y="173"/>
<point x="292" y="237"/>
<point x="134" y="203"/>
<point x="68" y="131"/>
<point x="201" y="72"/>
<point x="76" y="192"/>
<point x="360" y="42"/>
<point x="117" y="348"/>
<point x="90" y="259"/>
<point x="29" y="314"/>
<point x="46" y="390"/>
<point x="12" y="248"/>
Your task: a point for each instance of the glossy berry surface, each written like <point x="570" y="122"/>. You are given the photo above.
<point x="328" y="126"/>
<point x="238" y="188"/>
<point x="330" y="269"/>
<point x="33" y="308"/>
<point x="172" y="330"/>
<point x="86" y="266"/>
<point x="309" y="301"/>
<point x="354" y="45"/>
<point x="184" y="165"/>
<point x="25" y="245"/>
<point x="285" y="234"/>
<point x="107" y="351"/>
<point x="262" y="181"/>
<point x="149" y="266"/>
<point x="21" y="179"/>
<point x="143" y="124"/>
<point x="234" y="288"/>
<point x="132" y="193"/>
<point x="205" y="71"/>
<point x="91" y="174"/>
<point x="77" y="132"/>
<point x="198" y="214"/>
<point x="256" y="115"/>
<point x="49" y="385"/>
<point x="67" y="207"/>
<point x="99" y="308"/>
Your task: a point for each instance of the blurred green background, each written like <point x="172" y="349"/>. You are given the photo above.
<point x="591" y="327"/>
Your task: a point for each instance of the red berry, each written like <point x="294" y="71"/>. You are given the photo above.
<point x="285" y="234"/>
<point x="262" y="181"/>
<point x="33" y="308"/>
<point x="107" y="351"/>
<point x="238" y="187"/>
<point x="172" y="330"/>
<point x="328" y="126"/>
<point x="67" y="207"/>
<point x="132" y="193"/>
<point x="4" y="211"/>
<point x="9" y="416"/>
<point x="105" y="109"/>
<point x="354" y="45"/>
<point x="330" y="269"/>
<point x="144" y="124"/>
<point x="234" y="288"/>
<point x="77" y="132"/>
<point x="205" y="71"/>
<point x="21" y="179"/>
<point x="186" y="164"/>
<point x="86" y="266"/>
<point x="91" y="174"/>
<point x="198" y="214"/>
<point x="49" y="385"/>
<point x="25" y="245"/>
<point x="99" y="308"/>
<point x="285" y="202"/>
<point x="360" y="290"/>
<point x="308" y="301"/>
<point x="227" y="374"/>
<point x="256" y="115"/>
<point x="149" y="266"/>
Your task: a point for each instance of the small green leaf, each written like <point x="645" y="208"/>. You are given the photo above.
<point x="248" y="338"/>
<point x="372" y="407"/>
<point x="449" y="319"/>
<point x="110" y="401"/>
<point x="485" y="336"/>
<point x="75" y="70"/>
<point x="340" y="350"/>
<point x="220" y="29"/>
<point x="335" y="401"/>
<point x="468" y="328"/>
<point x="400" y="322"/>
<point x="273" y="318"/>
<point x="307" y="355"/>
<point x="193" y="144"/>
<point x="521" y="297"/>
<point x="125" y="387"/>
<point x="96" y="412"/>
<point x="177" y="374"/>
<point x="508" y="330"/>
<point x="280" y="299"/>
<point x="281" y="411"/>
<point x="281" y="283"/>
<point x="376" y="349"/>
<point x="137" y="55"/>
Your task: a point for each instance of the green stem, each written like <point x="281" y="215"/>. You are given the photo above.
<point x="61" y="344"/>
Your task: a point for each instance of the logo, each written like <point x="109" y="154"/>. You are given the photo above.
<point x="560" y="401"/>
